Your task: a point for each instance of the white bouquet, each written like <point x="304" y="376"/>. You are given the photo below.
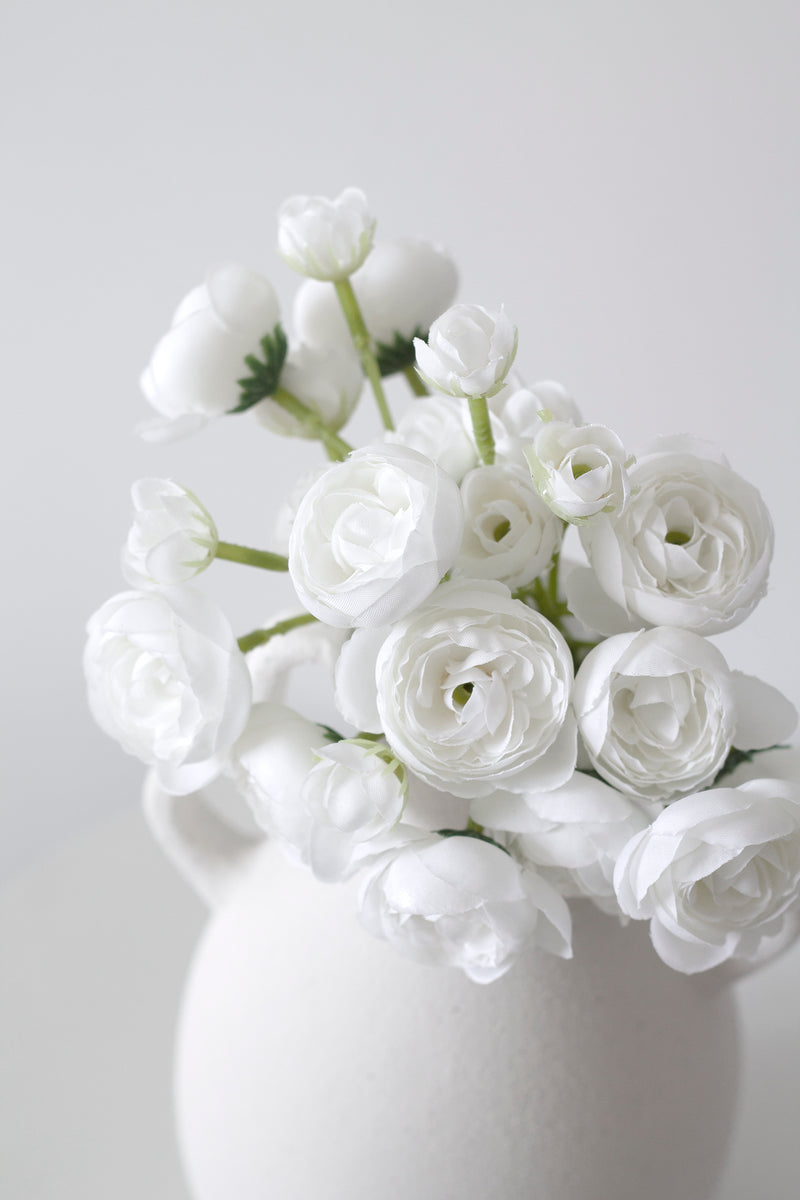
<point x="515" y="730"/>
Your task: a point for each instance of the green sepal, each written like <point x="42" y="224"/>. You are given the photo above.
<point x="333" y="736"/>
<point x="472" y="833"/>
<point x="264" y="376"/>
<point x="737" y="757"/>
<point x="398" y="354"/>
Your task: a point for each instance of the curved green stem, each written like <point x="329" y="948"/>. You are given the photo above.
<point x="482" y="427"/>
<point x="252" y="558"/>
<point x="336" y="447"/>
<point x="414" y="382"/>
<point x="363" y="344"/>
<point x="259" y="636"/>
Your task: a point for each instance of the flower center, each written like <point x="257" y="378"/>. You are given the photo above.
<point x="462" y="693"/>
<point x="501" y="529"/>
<point x="677" y="537"/>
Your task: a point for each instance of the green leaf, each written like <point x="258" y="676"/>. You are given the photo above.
<point x="264" y="376"/>
<point x="398" y="354"/>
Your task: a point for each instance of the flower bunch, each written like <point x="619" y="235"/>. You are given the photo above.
<point x="516" y="730"/>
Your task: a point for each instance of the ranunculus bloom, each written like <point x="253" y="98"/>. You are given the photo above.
<point x="172" y="538"/>
<point x="469" y="351"/>
<point x="579" y="470"/>
<point x="473" y="693"/>
<point x="354" y="794"/>
<point x="716" y="873"/>
<point x="659" y="710"/>
<point x="436" y="427"/>
<point x="692" y="548"/>
<point x="326" y="381"/>
<point x="269" y="764"/>
<point x="463" y="902"/>
<point x="326" y="239"/>
<point x="401" y="288"/>
<point x="572" y="835"/>
<point x="194" y="372"/>
<point x="373" y="536"/>
<point x="168" y="681"/>
<point x="509" y="533"/>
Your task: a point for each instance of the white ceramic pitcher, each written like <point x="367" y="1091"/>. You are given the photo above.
<point x="315" y="1063"/>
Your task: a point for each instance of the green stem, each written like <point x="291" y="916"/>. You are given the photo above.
<point x="482" y="427"/>
<point x="253" y="558"/>
<point x="259" y="636"/>
<point x="414" y="382"/>
<point x="546" y="599"/>
<point x="363" y="344"/>
<point x="336" y="447"/>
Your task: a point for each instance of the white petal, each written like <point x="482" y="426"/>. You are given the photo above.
<point x="765" y="717"/>
<point x="593" y="608"/>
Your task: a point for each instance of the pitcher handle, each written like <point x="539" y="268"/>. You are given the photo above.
<point x="208" y="851"/>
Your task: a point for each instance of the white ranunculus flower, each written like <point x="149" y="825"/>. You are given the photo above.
<point x="354" y="794"/>
<point x="716" y="873"/>
<point x="326" y="239"/>
<point x="326" y="381"/>
<point x="436" y="427"/>
<point x="580" y="471"/>
<point x="659" y="710"/>
<point x="172" y="538"/>
<point x="374" y="535"/>
<point x="509" y="533"/>
<point x="469" y="351"/>
<point x="463" y="902"/>
<point x="193" y="375"/>
<point x="269" y="764"/>
<point x="168" y="681"/>
<point x="516" y="415"/>
<point x="692" y="548"/>
<point x="473" y="693"/>
<point x="401" y="288"/>
<point x="572" y="835"/>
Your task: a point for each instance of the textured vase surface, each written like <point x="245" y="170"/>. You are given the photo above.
<point x="316" y="1063"/>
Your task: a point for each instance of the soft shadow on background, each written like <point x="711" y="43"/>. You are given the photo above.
<point x="622" y="176"/>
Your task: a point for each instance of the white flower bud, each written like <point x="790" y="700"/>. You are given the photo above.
<point x="193" y="375"/>
<point x="354" y="795"/>
<point x="469" y="351"/>
<point x="579" y="471"/>
<point x="401" y="289"/>
<point x="326" y="381"/>
<point x="172" y="538"/>
<point x="269" y="764"/>
<point x="326" y="239"/>
<point x="436" y="427"/>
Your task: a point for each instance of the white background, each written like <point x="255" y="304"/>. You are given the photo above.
<point x="622" y="176"/>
